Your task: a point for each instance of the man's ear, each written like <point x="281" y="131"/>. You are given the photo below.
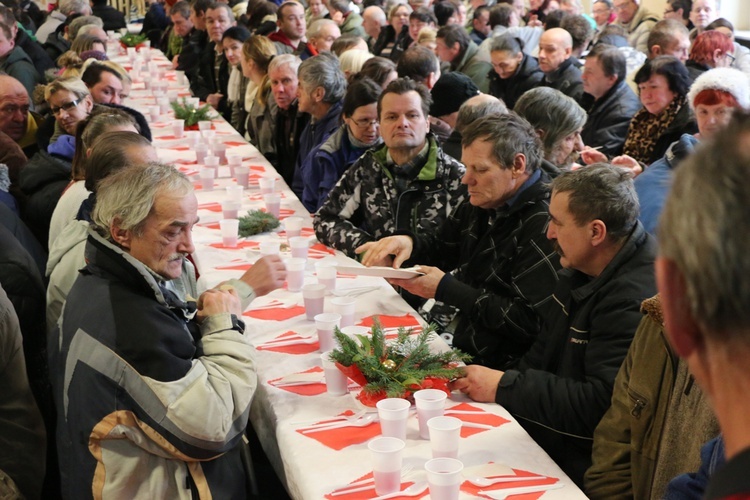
<point x="319" y="94"/>
<point x="123" y="237"/>
<point x="598" y="232"/>
<point x="519" y="164"/>
<point x="655" y="50"/>
<point x="682" y="329"/>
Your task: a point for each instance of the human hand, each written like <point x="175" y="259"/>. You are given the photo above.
<point x="534" y="22"/>
<point x="214" y="100"/>
<point x="591" y="155"/>
<point x="267" y="274"/>
<point x="628" y="162"/>
<point x="479" y="383"/>
<point x="337" y="17"/>
<point x="422" y="286"/>
<point x="175" y="61"/>
<point x="378" y="253"/>
<point x="217" y="301"/>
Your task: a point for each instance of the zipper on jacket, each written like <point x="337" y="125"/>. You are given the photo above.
<point x="638" y="407"/>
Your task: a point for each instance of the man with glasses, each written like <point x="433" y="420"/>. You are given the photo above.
<point x="637" y="21"/>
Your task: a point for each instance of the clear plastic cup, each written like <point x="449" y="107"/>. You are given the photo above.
<point x="211" y="161"/>
<point x="324" y="325"/>
<point x="445" y="434"/>
<point x="229" y="232"/>
<point x="273" y="205"/>
<point x="444" y="478"/>
<point x="336" y="382"/>
<point x="220" y="150"/>
<point x="299" y="246"/>
<point x="430" y="403"/>
<point x="242" y="174"/>
<point x="269" y="247"/>
<point x="295" y="274"/>
<point x="178" y="128"/>
<point x="293" y="226"/>
<point x="164" y="104"/>
<point x="393" y="414"/>
<point x="386" y="463"/>
<point x="207" y="178"/>
<point x="201" y="151"/>
<point x="204" y="126"/>
<point x="234" y="193"/>
<point x="230" y="209"/>
<point x="193" y="137"/>
<point x="346" y="307"/>
<point x="234" y="160"/>
<point x="314" y="297"/>
<point x="267" y="184"/>
<point x="326" y="272"/>
<point x="155" y="113"/>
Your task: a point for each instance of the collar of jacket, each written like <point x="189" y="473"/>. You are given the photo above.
<point x="553" y="76"/>
<point x="608" y="96"/>
<point x="430" y="170"/>
<point x="471" y="51"/>
<point x="638" y="237"/>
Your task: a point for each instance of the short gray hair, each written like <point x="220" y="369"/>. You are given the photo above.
<point x="323" y="71"/>
<point x="704" y="227"/>
<point x="509" y="135"/>
<point x="282" y="60"/>
<point x="127" y="196"/>
<point x="68" y="7"/>
<point x="477" y="107"/>
<point x="316" y="27"/>
<point x="551" y="112"/>
<point x="79" y="22"/>
<point x="601" y="191"/>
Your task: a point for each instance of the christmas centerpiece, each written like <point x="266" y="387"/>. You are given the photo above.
<point x="256" y="222"/>
<point x="192" y="115"/>
<point x="396" y="369"/>
<point x="132" y="40"/>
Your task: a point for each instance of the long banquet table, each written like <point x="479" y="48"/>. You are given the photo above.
<point x="313" y="465"/>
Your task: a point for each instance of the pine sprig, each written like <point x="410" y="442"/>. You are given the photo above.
<point x="132" y="40"/>
<point x="189" y="113"/>
<point x="256" y="222"/>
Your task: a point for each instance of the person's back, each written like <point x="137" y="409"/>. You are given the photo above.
<point x="113" y="19"/>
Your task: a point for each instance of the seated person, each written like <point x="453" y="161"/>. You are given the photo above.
<point x="470" y="111"/>
<point x="514" y="71"/>
<point x="113" y="19"/>
<point x="505" y="268"/>
<point x="561" y="388"/>
<point x="558" y="64"/>
<point x="455" y="47"/>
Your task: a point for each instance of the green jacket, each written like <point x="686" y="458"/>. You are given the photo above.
<point x="352" y="25"/>
<point x="658" y="421"/>
<point x="473" y="66"/>
<point x="19" y="65"/>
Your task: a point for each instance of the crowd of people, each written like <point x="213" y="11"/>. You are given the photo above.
<point x="525" y="155"/>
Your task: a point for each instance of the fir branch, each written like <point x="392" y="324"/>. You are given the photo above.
<point x="256" y="222"/>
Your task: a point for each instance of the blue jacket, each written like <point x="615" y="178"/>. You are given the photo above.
<point x="328" y="162"/>
<point x="314" y="134"/>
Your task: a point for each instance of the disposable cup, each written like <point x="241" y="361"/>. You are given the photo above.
<point x="192" y="137"/>
<point x="207" y="178"/>
<point x="324" y="325"/>
<point x="267" y="184"/>
<point x="180" y="77"/>
<point x="155" y="113"/>
<point x="444" y="478"/>
<point x="230" y="209"/>
<point x="229" y="229"/>
<point x="386" y="463"/>
<point x="299" y="246"/>
<point x="295" y="274"/>
<point x="201" y="151"/>
<point x="211" y="161"/>
<point x="220" y="150"/>
<point x="194" y="102"/>
<point x="242" y="174"/>
<point x="326" y="272"/>
<point x="234" y="160"/>
<point x="164" y="104"/>
<point x="178" y="128"/>
<point x="273" y="205"/>
<point x="173" y="95"/>
<point x="345" y="306"/>
<point x="204" y="126"/>
<point x="430" y="403"/>
<point x="393" y="414"/>
<point x="234" y="193"/>
<point x="269" y="247"/>
<point x="445" y="434"/>
<point x="336" y="382"/>
<point x="314" y="297"/>
<point x="293" y="226"/>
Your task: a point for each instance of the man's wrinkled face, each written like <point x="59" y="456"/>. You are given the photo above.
<point x="14" y="110"/>
<point x="552" y="53"/>
<point x="595" y="82"/>
<point x="217" y="22"/>
<point x="567" y="150"/>
<point x="703" y="12"/>
<point x="325" y="38"/>
<point x="489" y="184"/>
<point x="482" y="23"/>
<point x="569" y="239"/>
<point x="284" y="85"/>
<point x="181" y="25"/>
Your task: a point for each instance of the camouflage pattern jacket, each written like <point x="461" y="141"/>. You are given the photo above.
<point x="364" y="205"/>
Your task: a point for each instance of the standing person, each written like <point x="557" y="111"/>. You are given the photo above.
<point x="257" y="53"/>
<point x="232" y="41"/>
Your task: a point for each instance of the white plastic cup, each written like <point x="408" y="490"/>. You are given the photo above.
<point x="337" y="383"/>
<point x="194" y="102"/>
<point x="393" y="414"/>
<point x="326" y="272"/>
<point x="220" y="150"/>
<point x="155" y="113"/>
<point x="211" y="161"/>
<point x="173" y="95"/>
<point x="234" y="160"/>
<point x="299" y="246"/>
<point x="242" y="174"/>
<point x="267" y="184"/>
<point x="193" y="137"/>
<point x="293" y="226"/>
<point x="295" y="274"/>
<point x="386" y="463"/>
<point x="430" y="403"/>
<point x="164" y="104"/>
<point x="204" y="126"/>
<point x="314" y="297"/>
<point x="273" y="206"/>
<point x="207" y="178"/>
<point x="180" y="77"/>
<point x="230" y="209"/>
<point x="444" y="478"/>
<point x="147" y="84"/>
<point x="131" y="51"/>
<point x="178" y="128"/>
<point x="445" y="434"/>
<point x="234" y="193"/>
<point x="269" y="247"/>
<point x="201" y="151"/>
<point x="345" y="306"/>
<point x="324" y="325"/>
<point x="229" y="232"/>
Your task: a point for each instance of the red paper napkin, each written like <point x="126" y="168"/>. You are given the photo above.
<point x="482" y="417"/>
<point x="320" y="251"/>
<point x="283" y="213"/>
<point x="212" y="206"/>
<point x="275" y="313"/>
<point x="467" y="487"/>
<point x="307" y="389"/>
<point x="178" y="148"/>
<point x="341" y="437"/>
<point x="235" y="143"/>
<point x="366" y="494"/>
<point x="240" y="245"/>
<point x="235" y="267"/>
<point x="290" y="335"/>
<point x="306" y="231"/>
<point x="388" y="321"/>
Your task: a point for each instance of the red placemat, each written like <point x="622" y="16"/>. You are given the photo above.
<point x="482" y="417"/>
<point x="280" y="313"/>
<point x="306" y="231"/>
<point x="366" y="494"/>
<point x="341" y="437"/>
<point x="388" y="321"/>
<point x="320" y="251"/>
<point x="240" y="245"/>
<point x="212" y="206"/>
<point x="235" y="143"/>
<point x="467" y="487"/>
<point x="235" y="267"/>
<point x="307" y="389"/>
<point x="290" y="335"/>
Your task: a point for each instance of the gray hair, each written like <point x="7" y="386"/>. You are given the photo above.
<point x="553" y="114"/>
<point x="79" y="22"/>
<point x="317" y="27"/>
<point x="85" y="30"/>
<point x="285" y="60"/>
<point x="182" y="8"/>
<point x="111" y="151"/>
<point x="509" y="134"/>
<point x="707" y="240"/>
<point x="323" y="71"/>
<point x="127" y="197"/>
<point x="601" y="191"/>
<point x="68" y="7"/>
<point x="477" y="107"/>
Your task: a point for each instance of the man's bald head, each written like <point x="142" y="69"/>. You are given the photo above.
<point x="555" y="47"/>
<point x="14" y="107"/>
<point x="476" y="107"/>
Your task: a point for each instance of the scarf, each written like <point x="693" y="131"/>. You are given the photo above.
<point x="235" y="82"/>
<point x="646" y="129"/>
<point x="359" y="144"/>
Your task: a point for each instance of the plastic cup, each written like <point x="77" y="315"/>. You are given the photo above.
<point x="131" y="51"/>
<point x="229" y="230"/>
<point x="393" y="414"/>
<point x="180" y="77"/>
<point x="207" y="178"/>
<point x="234" y="160"/>
<point x="211" y="161"/>
<point x="155" y="113"/>
<point x="293" y="226"/>
<point x="336" y="382"/>
<point x="324" y="325"/>
<point x="299" y="246"/>
<point x="204" y="126"/>
<point x="234" y="193"/>
<point x="230" y="209"/>
<point x="314" y="297"/>
<point x="326" y="272"/>
<point x="345" y="306"/>
<point x="269" y="247"/>
<point x="164" y="104"/>
<point x="273" y="206"/>
<point x="194" y="102"/>
<point x="178" y="128"/>
<point x="444" y="478"/>
<point x="201" y="151"/>
<point x="445" y="434"/>
<point x="193" y="137"/>
<point x="242" y="174"/>
<point x="430" y="403"/>
<point x="295" y="274"/>
<point x="386" y="463"/>
<point x="267" y="184"/>
<point x="220" y="150"/>
<point x="173" y="95"/>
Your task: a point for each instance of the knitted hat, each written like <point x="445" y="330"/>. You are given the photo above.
<point x="450" y="92"/>
<point x="729" y="80"/>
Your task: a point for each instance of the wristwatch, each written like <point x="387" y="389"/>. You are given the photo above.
<point x="237" y="324"/>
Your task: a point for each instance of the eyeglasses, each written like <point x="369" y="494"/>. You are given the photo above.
<point x="65" y="107"/>
<point x="364" y="123"/>
<point x="623" y="6"/>
<point x="731" y="58"/>
<point x="13" y="109"/>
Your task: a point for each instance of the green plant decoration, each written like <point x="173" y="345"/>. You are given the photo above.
<point x="256" y="222"/>
<point x="191" y="114"/>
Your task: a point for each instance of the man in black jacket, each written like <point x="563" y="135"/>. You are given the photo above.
<point x="113" y="19"/>
<point x="39" y="57"/>
<point x="555" y="60"/>
<point x="561" y="388"/>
